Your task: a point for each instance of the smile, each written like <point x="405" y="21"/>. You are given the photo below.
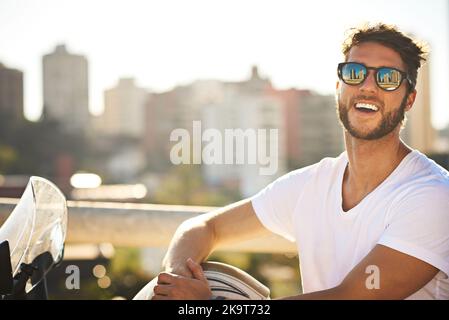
<point x="366" y="107"/>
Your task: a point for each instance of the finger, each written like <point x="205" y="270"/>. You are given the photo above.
<point x="163" y="290"/>
<point x="166" y="278"/>
<point x="196" y="269"/>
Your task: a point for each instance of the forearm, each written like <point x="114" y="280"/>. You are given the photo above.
<point x="196" y="238"/>
<point x="351" y="292"/>
<point x="193" y="239"/>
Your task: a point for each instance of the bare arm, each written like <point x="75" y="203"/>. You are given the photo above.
<point x="399" y="275"/>
<point x="198" y="237"/>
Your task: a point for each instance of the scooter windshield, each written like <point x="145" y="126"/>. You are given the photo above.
<point x="37" y="225"/>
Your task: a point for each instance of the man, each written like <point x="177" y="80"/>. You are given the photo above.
<point x="379" y="208"/>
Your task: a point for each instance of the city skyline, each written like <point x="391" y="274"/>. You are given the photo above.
<point x="166" y="44"/>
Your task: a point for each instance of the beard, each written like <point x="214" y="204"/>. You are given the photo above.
<point x="388" y="123"/>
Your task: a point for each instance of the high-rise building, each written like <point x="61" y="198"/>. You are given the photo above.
<point x="291" y="109"/>
<point x="11" y="91"/>
<point x="175" y="109"/>
<point x="217" y="105"/>
<point x="419" y="132"/>
<point x="165" y="112"/>
<point x="320" y="133"/>
<point x="311" y="125"/>
<point x="65" y="85"/>
<point x="253" y="116"/>
<point x="124" y="110"/>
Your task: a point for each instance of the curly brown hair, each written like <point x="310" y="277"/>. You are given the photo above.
<point x="412" y="52"/>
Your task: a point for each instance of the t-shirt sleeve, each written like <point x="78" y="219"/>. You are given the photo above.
<point x="419" y="227"/>
<point x="275" y="204"/>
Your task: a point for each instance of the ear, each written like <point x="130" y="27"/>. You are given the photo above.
<point x="410" y="100"/>
<point x="337" y="85"/>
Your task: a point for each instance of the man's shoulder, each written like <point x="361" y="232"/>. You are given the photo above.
<point x="425" y="184"/>
<point x="428" y="176"/>
<point x="324" y="167"/>
<point x="318" y="174"/>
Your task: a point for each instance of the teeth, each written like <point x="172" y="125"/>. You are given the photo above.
<point x="366" y="106"/>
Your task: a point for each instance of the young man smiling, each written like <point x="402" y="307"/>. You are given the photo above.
<point x="379" y="206"/>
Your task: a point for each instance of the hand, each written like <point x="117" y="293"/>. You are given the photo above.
<point x="176" y="287"/>
<point x="181" y="270"/>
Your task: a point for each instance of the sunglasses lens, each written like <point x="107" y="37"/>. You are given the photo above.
<point x="388" y="79"/>
<point x="353" y="73"/>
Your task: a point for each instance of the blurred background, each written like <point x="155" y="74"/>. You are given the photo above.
<point x="91" y="90"/>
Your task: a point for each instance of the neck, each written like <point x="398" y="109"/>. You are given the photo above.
<point x="372" y="161"/>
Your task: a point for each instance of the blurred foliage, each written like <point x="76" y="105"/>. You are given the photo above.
<point x="126" y="276"/>
<point x="123" y="277"/>
<point x="126" y="273"/>
<point x="31" y="148"/>
<point x="8" y="156"/>
<point x="184" y="185"/>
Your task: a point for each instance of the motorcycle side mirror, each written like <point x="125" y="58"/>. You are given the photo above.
<point x="6" y="279"/>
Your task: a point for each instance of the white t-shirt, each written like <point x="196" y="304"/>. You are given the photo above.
<point x="408" y="211"/>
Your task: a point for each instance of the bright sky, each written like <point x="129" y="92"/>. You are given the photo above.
<point x="164" y="43"/>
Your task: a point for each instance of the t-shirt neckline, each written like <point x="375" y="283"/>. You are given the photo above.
<point x="353" y="211"/>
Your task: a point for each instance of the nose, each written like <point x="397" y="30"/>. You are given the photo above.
<point x="369" y="85"/>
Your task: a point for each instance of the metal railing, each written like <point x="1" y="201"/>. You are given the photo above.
<point x="140" y="225"/>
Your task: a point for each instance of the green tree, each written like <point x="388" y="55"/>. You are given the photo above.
<point x="184" y="185"/>
<point x="31" y="148"/>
